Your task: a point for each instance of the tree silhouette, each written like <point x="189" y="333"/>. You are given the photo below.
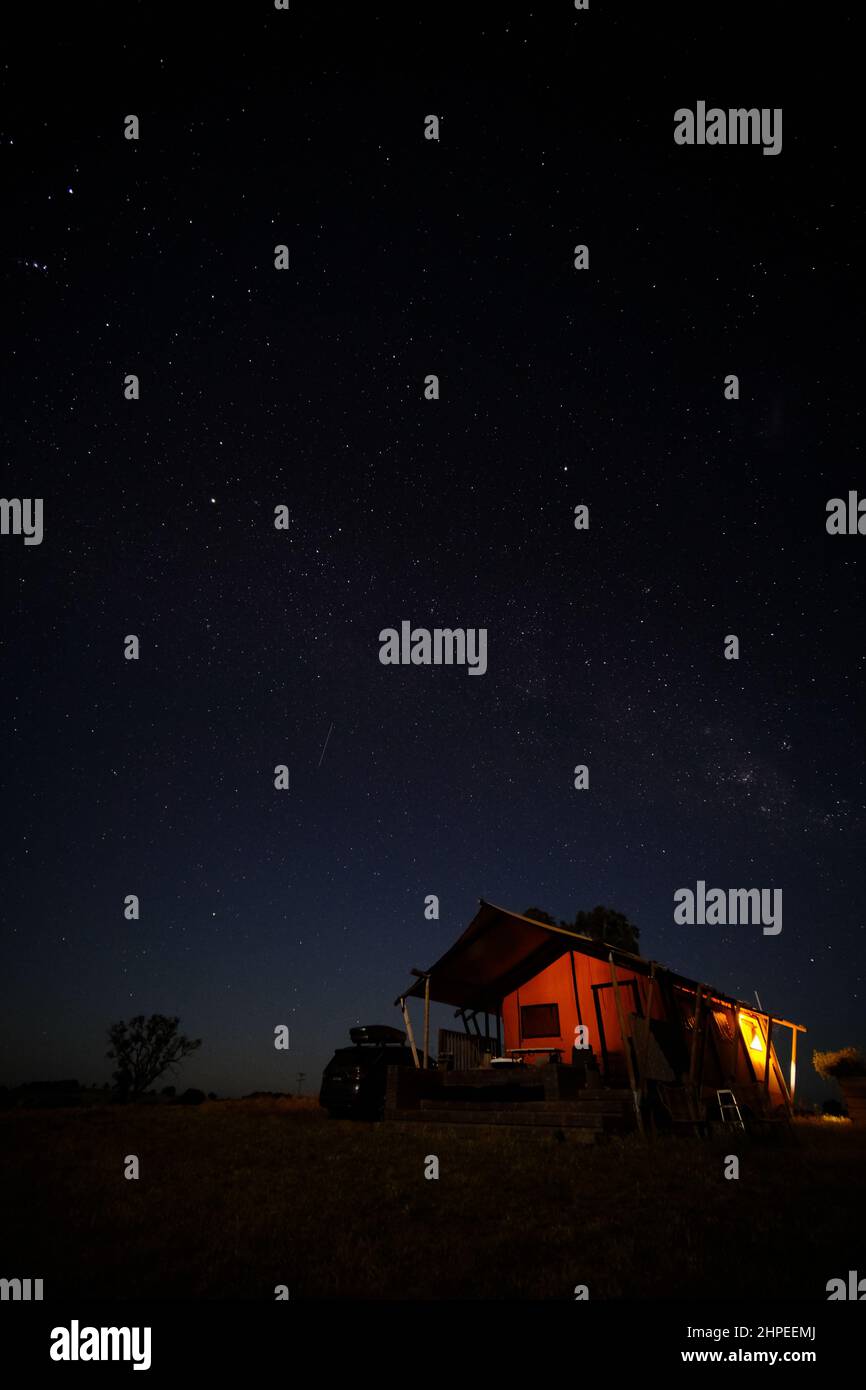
<point x="144" y="1048"/>
<point x="607" y="925"/>
<point x="603" y="924"/>
<point x="538" y="914"/>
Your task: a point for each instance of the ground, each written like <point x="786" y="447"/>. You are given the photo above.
<point x="235" y="1198"/>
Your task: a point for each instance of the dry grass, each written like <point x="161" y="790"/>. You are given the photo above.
<point x="238" y="1196"/>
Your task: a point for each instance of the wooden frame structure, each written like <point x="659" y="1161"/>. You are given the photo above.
<point x="648" y="1026"/>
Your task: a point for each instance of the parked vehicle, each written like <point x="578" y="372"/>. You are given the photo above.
<point x="354" y="1081"/>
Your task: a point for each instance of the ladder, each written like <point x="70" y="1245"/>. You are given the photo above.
<point x="729" y="1109"/>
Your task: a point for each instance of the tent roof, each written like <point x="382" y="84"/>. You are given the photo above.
<point x="500" y="950"/>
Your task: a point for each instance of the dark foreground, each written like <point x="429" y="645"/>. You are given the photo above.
<point x="235" y="1198"/>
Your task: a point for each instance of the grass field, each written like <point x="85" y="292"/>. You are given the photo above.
<point x="237" y="1197"/>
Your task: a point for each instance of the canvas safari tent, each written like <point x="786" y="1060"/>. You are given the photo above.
<point x="595" y="1017"/>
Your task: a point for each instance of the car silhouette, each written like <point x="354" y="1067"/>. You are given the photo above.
<point x="354" y="1081"/>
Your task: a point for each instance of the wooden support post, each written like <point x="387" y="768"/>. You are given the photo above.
<point x="644" y="1055"/>
<point x="426" y="1021"/>
<point x="602" y="1041"/>
<point x="735" y="1049"/>
<point x="626" y="1046"/>
<point x="635" y="994"/>
<point x="574" y="987"/>
<point x="706" y="1014"/>
<point x="693" y="1088"/>
<point x="793" y="1064"/>
<point x="693" y="1055"/>
<point x="783" y="1087"/>
<point x="408" y="1022"/>
<point x="768" y="1060"/>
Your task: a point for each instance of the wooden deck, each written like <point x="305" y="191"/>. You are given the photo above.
<point x="535" y="1101"/>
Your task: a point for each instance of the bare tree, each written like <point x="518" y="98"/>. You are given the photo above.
<point x="144" y="1048"/>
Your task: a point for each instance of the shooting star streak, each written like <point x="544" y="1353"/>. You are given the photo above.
<point x="319" y="764"/>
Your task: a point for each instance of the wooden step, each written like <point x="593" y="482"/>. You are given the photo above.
<point x="519" y="1116"/>
<point x="594" y="1105"/>
<point x="414" y="1122"/>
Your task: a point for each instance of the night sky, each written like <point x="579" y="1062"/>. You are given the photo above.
<point x="305" y="388"/>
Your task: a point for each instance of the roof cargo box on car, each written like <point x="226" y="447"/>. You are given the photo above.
<point x="377" y="1033"/>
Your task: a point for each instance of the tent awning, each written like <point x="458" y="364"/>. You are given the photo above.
<point x="498" y="952"/>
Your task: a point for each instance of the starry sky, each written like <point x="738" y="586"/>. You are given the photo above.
<point x="305" y="388"/>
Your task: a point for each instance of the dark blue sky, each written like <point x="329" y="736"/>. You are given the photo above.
<point x="305" y="388"/>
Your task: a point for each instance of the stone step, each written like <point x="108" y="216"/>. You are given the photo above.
<point x="601" y="1107"/>
<point x="399" y="1122"/>
<point x="519" y="1116"/>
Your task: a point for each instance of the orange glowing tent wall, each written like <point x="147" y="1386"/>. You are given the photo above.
<point x="726" y="1057"/>
<point x="556" y="985"/>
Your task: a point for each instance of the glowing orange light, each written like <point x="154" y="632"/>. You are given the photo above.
<point x="751" y="1030"/>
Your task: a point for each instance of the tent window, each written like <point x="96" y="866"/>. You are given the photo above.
<point x="539" y="1021"/>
